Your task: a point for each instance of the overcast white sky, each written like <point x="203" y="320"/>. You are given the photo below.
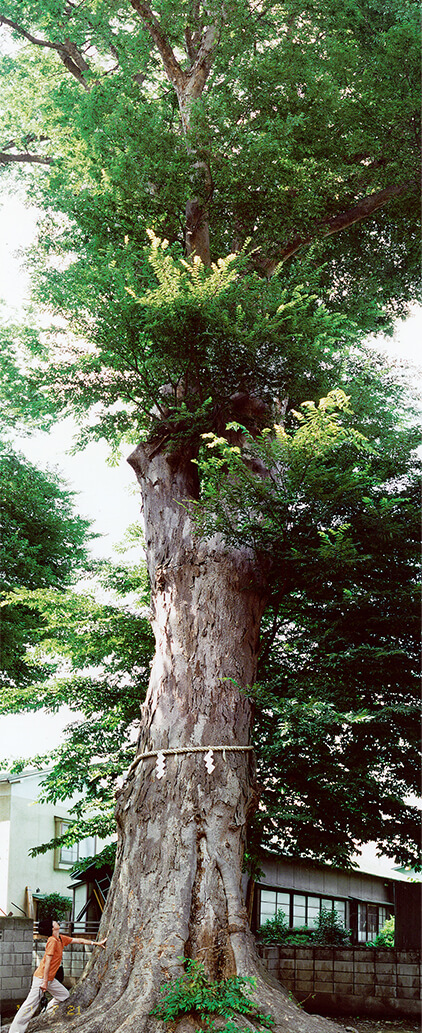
<point x="105" y="495"/>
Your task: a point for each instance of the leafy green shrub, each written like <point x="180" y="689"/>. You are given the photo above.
<point x="301" y="937"/>
<point x="106" y="856"/>
<point x="195" y="993"/>
<point x="386" y="937"/>
<point x="54" y="904"/>
<point x="330" y="931"/>
<point x="275" y="930"/>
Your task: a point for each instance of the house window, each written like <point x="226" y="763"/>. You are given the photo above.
<point x="340" y="907"/>
<point x="383" y="914"/>
<point x="67" y="856"/>
<point x="272" y="901"/>
<point x="300" y="909"/>
<point x="371" y="918"/>
<point x="314" y="907"/>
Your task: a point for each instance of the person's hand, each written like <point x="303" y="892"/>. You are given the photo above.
<point x="101" y="943"/>
<point x="44" y="985"/>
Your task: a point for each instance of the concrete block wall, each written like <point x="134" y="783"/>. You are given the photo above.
<point x="16" y="939"/>
<point x="350" y="980"/>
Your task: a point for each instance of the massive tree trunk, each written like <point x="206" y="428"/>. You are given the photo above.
<point x="176" y="891"/>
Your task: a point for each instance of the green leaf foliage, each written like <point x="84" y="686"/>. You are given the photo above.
<point x="315" y="113"/>
<point x="328" y="932"/>
<point x="195" y="994"/>
<point x="275" y="930"/>
<point x="337" y="706"/>
<point x="54" y="904"/>
<point x="96" y="660"/>
<point x="385" y="939"/>
<point x="43" y="544"/>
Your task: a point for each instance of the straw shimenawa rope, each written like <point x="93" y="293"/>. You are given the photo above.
<point x="189" y="749"/>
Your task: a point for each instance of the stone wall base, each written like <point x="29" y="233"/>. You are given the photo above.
<point x="16" y="939"/>
<point x="349" y="980"/>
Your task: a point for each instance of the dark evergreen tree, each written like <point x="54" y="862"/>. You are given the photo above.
<point x="43" y="544"/>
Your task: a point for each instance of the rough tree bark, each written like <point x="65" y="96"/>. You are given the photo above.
<point x="177" y="891"/>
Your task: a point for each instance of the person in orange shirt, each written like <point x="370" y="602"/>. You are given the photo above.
<point x="45" y="975"/>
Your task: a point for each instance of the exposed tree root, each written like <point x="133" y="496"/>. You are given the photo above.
<point x="130" y="1013"/>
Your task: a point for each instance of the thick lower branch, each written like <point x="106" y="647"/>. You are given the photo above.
<point x="27" y="35"/>
<point x="172" y="68"/>
<point x="26" y="157"/>
<point x="331" y="225"/>
<point x="69" y="54"/>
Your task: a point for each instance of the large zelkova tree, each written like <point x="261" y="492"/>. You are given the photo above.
<point x="272" y="148"/>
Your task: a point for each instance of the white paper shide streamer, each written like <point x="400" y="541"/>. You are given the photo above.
<point x="207" y="751"/>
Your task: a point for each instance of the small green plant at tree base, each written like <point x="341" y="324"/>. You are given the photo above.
<point x="195" y="993"/>
<point x="54" y="904"/>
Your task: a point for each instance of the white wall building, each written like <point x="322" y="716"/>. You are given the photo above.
<point x="25" y="823"/>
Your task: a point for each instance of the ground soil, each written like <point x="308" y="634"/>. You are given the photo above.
<point x="350" y="1022"/>
<point x="353" y="1022"/>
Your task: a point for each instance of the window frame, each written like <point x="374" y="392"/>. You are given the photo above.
<point x="59" y="863"/>
<point x="384" y="912"/>
<point x="292" y="893"/>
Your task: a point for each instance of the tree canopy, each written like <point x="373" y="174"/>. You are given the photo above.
<point x="285" y="122"/>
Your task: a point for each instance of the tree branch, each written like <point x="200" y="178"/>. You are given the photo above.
<point x="173" y="70"/>
<point x="332" y="225"/>
<point x="25" y="158"/>
<point x="68" y="52"/>
<point x="27" y="35"/>
<point x="74" y="61"/>
<point x="191" y="44"/>
<point x="199" y="48"/>
<point x="24" y="140"/>
<point x="201" y="68"/>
